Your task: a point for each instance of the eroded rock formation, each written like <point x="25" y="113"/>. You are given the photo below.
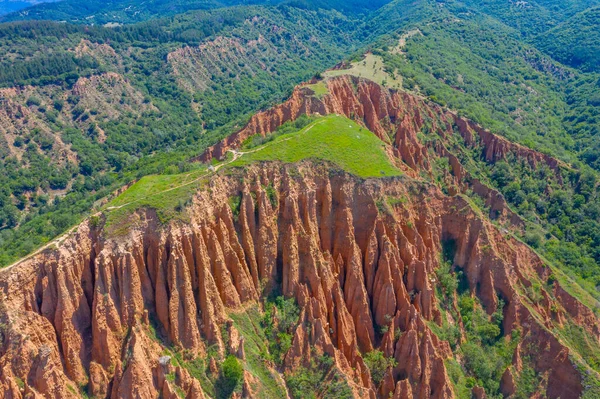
<point x="392" y="115"/>
<point x="77" y="316"/>
<point x="98" y="312"/>
<point x="396" y="117"/>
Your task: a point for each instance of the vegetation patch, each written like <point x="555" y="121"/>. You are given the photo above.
<point x="258" y="140"/>
<point x="378" y="364"/>
<point x="319" y="89"/>
<point x="485" y="352"/>
<point x="231" y="377"/>
<point x="583" y="342"/>
<point x="371" y="67"/>
<point x="235" y="203"/>
<point x="320" y="379"/>
<point x="396" y="201"/>
<point x="279" y="322"/>
<point x="168" y="195"/>
<point x="459" y="379"/>
<point x="256" y="346"/>
<point x="331" y="138"/>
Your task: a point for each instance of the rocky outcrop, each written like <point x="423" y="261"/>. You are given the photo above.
<point x="78" y="315"/>
<point x="392" y="115"/>
<point x="398" y="118"/>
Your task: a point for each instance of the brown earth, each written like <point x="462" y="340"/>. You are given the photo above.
<point x="78" y="314"/>
<point x="83" y="314"/>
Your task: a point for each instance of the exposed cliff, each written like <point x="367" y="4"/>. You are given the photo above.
<point x="398" y="118"/>
<point x="373" y="266"/>
<point x="82" y="314"/>
<point x="390" y="114"/>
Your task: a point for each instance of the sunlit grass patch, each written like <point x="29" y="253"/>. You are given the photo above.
<point x="332" y="138"/>
<point x="370" y="67"/>
<point x="319" y="89"/>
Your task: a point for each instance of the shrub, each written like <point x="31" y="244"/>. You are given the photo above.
<point x="319" y="379"/>
<point x="280" y="335"/>
<point x="272" y="193"/>
<point x="58" y="105"/>
<point x="378" y="364"/>
<point x="33" y="101"/>
<point x="533" y="239"/>
<point x="230" y="378"/>
<point x="18" y="142"/>
<point x="235" y="203"/>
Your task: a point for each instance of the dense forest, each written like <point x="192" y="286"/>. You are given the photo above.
<point x="114" y="12"/>
<point x="575" y="42"/>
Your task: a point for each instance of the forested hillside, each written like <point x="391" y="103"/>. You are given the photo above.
<point x="531" y="17"/>
<point x="115" y="12"/>
<point x="575" y="42"/>
<point x="471" y="63"/>
<point x="178" y="83"/>
<point x="84" y="107"/>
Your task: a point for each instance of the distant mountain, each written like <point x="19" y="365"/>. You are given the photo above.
<point x="8" y="6"/>
<point x="129" y="11"/>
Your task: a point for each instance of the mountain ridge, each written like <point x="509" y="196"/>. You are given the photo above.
<point x="322" y="218"/>
<point x="285" y="200"/>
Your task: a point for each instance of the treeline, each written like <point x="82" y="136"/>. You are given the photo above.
<point x="54" y="68"/>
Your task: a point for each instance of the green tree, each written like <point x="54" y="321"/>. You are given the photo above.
<point x="378" y="365"/>
<point x="230" y="378"/>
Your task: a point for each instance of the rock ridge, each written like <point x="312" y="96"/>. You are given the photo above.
<point x="80" y="315"/>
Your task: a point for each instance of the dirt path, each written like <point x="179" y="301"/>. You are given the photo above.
<point x="57" y="241"/>
<point x="236" y="156"/>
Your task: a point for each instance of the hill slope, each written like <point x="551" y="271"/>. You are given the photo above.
<point x="9" y="6"/>
<point x="115" y="12"/>
<point x="304" y="278"/>
<point x="575" y="42"/>
<point x="89" y="103"/>
<point x="532" y="17"/>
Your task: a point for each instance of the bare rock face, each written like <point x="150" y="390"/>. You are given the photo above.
<point x="74" y="313"/>
<point x="396" y="117"/>
<point x="88" y="313"/>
